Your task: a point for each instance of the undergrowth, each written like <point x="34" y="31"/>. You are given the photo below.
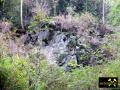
<point x="19" y="73"/>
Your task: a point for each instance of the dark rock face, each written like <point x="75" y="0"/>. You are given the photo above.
<point x="31" y="38"/>
<point x="62" y="47"/>
<point x="36" y="37"/>
<point x="59" y="44"/>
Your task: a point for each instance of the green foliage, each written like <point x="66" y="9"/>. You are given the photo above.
<point x="18" y="73"/>
<point x="15" y="73"/>
<point x="114" y="15"/>
<point x="73" y="64"/>
<point x="10" y="9"/>
<point x="4" y="81"/>
<point x="40" y="22"/>
<point x="61" y="6"/>
<point x="53" y="78"/>
<point x="80" y="6"/>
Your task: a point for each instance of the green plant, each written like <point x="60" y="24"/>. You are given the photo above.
<point x="20" y="73"/>
<point x="40" y="22"/>
<point x="4" y="80"/>
<point x="113" y="16"/>
<point x="16" y="73"/>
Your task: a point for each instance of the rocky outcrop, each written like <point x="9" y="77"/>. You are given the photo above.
<point x="70" y="40"/>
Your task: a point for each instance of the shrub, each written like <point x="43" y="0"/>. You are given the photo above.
<point x="70" y="22"/>
<point x="40" y="18"/>
<point x="5" y="26"/>
<point x="24" y="75"/>
<point x="15" y="73"/>
<point x="4" y="80"/>
<point x="113" y="16"/>
<point x="52" y="78"/>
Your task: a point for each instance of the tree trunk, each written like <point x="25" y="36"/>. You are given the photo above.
<point x="54" y="6"/>
<point x="103" y="11"/>
<point x="86" y="7"/>
<point x="21" y="14"/>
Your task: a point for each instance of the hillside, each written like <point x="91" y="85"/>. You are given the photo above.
<point x="59" y="44"/>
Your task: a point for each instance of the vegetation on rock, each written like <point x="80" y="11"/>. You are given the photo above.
<point x="58" y="44"/>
